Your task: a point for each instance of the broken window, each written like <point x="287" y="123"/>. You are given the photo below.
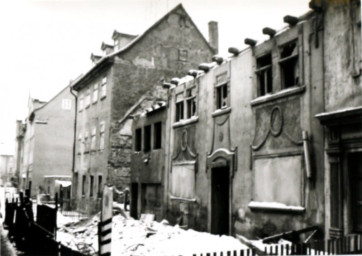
<point x="138" y="139"/>
<point x="179" y="111"/>
<point x="91" y="185"/>
<point x="289" y="64"/>
<point x="147" y="139"/>
<point x="264" y="74"/>
<point x="157" y="135"/>
<point x="191" y="102"/>
<point x="221" y="96"/>
<point x="221" y="90"/>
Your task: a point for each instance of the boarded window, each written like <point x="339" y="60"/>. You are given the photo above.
<point x="157" y="142"/>
<point x="138" y="140"/>
<point x="264" y="74"/>
<point x="279" y="180"/>
<point x="183" y="181"/>
<point x="147" y="139"/>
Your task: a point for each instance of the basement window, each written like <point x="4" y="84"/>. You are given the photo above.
<point x="157" y="135"/>
<point x="289" y="67"/>
<point x="264" y="74"/>
<point x="138" y="139"/>
<point x="147" y="139"/>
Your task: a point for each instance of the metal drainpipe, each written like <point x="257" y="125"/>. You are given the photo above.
<point x="74" y="130"/>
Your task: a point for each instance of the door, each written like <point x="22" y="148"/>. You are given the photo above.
<point x="355" y="170"/>
<point x="220" y="200"/>
<point x="134" y="200"/>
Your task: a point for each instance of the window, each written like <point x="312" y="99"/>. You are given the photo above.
<point x="95" y="93"/>
<point x="157" y="139"/>
<point x="83" y="185"/>
<point x="104" y="87"/>
<point x="264" y="74"/>
<point x="222" y="99"/>
<point x="100" y="186"/>
<point x="66" y="104"/>
<point x="147" y="139"/>
<point x="138" y="140"/>
<point x="179" y="111"/>
<point x="101" y="137"/>
<point x="289" y="67"/>
<point x="81" y="103"/>
<point x="93" y="139"/>
<point x="86" y="146"/>
<point x="80" y="138"/>
<point x="190" y="102"/>
<point x="91" y="184"/>
<point x="182" y="54"/>
<point x="87" y="99"/>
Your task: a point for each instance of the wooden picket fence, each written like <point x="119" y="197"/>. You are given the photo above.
<point x="351" y="244"/>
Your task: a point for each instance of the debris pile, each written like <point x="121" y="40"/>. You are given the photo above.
<point x="144" y="237"/>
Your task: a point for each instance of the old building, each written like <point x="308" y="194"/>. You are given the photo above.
<point x="269" y="139"/>
<point x="117" y="81"/>
<point x="47" y="140"/>
<point x="148" y="162"/>
<point x="341" y="117"/>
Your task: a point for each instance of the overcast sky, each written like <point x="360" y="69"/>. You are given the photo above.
<point x="45" y="44"/>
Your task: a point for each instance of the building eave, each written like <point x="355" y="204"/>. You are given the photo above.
<point x="353" y="114"/>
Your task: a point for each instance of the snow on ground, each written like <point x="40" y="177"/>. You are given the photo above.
<point x="134" y="237"/>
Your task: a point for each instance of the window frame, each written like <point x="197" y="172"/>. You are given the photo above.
<point x="185" y="96"/>
<point x="263" y="71"/>
<point x="222" y="83"/>
<point x="104" y="87"/>
<point x="95" y="93"/>
<point x="102" y="128"/>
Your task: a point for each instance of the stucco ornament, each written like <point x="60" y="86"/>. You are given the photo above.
<point x="276" y="121"/>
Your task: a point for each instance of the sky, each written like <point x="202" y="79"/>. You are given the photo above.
<point x="46" y="43"/>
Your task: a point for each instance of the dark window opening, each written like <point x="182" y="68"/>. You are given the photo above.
<point x="289" y="65"/>
<point x="264" y="74"/>
<point x="179" y="111"/>
<point x="91" y="185"/>
<point x="157" y="135"/>
<point x="138" y="139"/>
<point x="83" y="185"/>
<point x="147" y="139"/>
<point x="222" y="96"/>
<point x="100" y="186"/>
<point x="190" y="103"/>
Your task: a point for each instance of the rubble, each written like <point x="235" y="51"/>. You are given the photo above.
<point x="136" y="237"/>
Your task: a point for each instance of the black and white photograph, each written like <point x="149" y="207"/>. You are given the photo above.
<point x="180" y="127"/>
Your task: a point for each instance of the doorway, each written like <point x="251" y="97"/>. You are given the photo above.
<point x="220" y="197"/>
<point x="134" y="201"/>
<point x="355" y="171"/>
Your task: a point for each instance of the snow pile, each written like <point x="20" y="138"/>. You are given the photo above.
<point x="134" y="237"/>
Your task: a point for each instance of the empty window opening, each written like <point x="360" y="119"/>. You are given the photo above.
<point x="138" y="139"/>
<point x="289" y="65"/>
<point x="191" y="102"/>
<point x="100" y="186"/>
<point x="222" y="96"/>
<point x="91" y="185"/>
<point x="147" y="139"/>
<point x="157" y="135"/>
<point x="179" y="111"/>
<point x="83" y="185"/>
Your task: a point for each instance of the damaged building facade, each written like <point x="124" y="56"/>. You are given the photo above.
<point x="269" y="139"/>
<point x="112" y="90"/>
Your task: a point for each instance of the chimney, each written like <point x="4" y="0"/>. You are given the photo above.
<point x="214" y="36"/>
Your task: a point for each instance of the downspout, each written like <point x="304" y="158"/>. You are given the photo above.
<point x="74" y="136"/>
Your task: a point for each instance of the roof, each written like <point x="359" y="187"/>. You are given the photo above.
<point x="116" y="34"/>
<point x="106" y="59"/>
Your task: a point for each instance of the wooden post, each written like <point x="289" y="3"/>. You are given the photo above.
<point x="105" y="234"/>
